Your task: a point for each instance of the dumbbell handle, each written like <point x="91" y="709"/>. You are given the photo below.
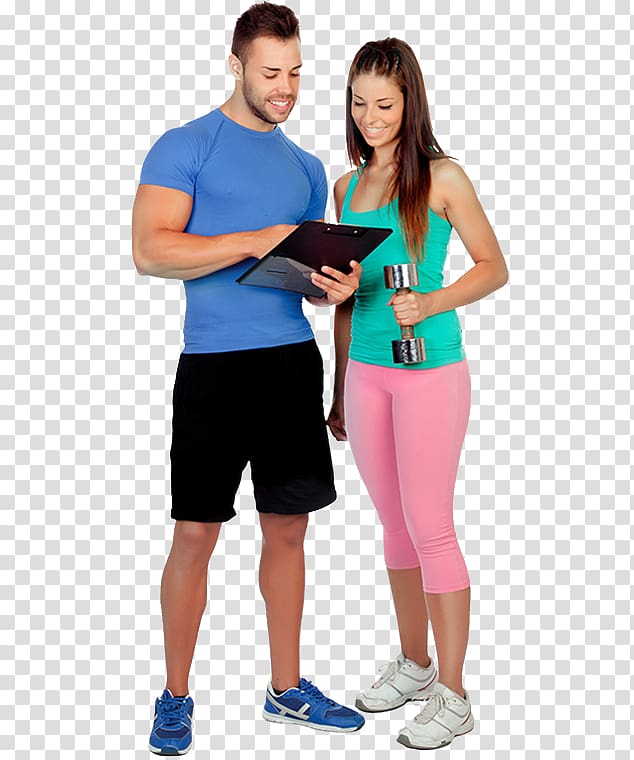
<point x="407" y="331"/>
<point x="409" y="349"/>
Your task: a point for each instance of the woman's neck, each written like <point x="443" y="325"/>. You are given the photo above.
<point x="382" y="158"/>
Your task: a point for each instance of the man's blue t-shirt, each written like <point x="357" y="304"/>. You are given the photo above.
<point x="240" y="180"/>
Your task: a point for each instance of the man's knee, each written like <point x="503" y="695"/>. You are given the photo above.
<point x="284" y="531"/>
<point x="194" y="541"/>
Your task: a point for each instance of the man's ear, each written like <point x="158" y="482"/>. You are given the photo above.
<point x="235" y="67"/>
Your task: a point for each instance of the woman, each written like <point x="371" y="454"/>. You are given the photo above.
<point x="407" y="423"/>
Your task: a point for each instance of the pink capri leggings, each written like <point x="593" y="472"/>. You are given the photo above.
<point x="406" y="429"/>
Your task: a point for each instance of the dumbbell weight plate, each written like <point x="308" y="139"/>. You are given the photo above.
<point x="408" y="351"/>
<point x="400" y="276"/>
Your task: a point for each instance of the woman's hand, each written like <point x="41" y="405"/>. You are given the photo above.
<point x="336" y="419"/>
<point x="412" y="308"/>
<point x="341" y="287"/>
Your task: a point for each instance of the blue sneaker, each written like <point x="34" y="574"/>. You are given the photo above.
<point x="307" y="706"/>
<point x="172" y="729"/>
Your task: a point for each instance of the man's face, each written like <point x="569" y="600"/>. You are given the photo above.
<point x="270" y="78"/>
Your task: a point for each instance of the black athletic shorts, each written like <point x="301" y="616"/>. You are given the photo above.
<point x="263" y="406"/>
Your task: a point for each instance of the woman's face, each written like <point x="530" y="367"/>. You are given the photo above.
<point x="377" y="109"/>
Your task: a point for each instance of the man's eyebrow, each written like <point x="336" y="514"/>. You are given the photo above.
<point x="277" y="68"/>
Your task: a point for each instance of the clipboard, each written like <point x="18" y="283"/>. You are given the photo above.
<point x="312" y="245"/>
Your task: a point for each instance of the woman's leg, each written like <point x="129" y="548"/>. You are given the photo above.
<point x="411" y="613"/>
<point x="431" y="413"/>
<point x="369" y="425"/>
<point x="449" y="615"/>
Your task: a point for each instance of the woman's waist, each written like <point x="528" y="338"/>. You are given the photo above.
<point x="378" y="318"/>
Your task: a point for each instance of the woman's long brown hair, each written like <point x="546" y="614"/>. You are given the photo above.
<point x="417" y="146"/>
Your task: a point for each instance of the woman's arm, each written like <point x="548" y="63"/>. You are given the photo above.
<point x="465" y="213"/>
<point x="343" y="286"/>
<point x="336" y="419"/>
<point x="343" y="318"/>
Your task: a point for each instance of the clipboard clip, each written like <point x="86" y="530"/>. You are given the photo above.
<point x="347" y="230"/>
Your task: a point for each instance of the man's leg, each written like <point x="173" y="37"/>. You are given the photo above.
<point x="183" y="597"/>
<point x="282" y="586"/>
<point x="292" y="473"/>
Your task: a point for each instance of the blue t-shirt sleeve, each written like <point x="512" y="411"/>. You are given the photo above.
<point x="319" y="196"/>
<point x="173" y="161"/>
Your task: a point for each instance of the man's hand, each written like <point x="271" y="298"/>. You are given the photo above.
<point x="341" y="287"/>
<point x="267" y="238"/>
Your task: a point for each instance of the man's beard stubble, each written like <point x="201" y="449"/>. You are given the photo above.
<point x="258" y="107"/>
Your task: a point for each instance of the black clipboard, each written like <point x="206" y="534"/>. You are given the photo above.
<point x="309" y="247"/>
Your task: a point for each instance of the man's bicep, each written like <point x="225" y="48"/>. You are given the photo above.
<point x="161" y="208"/>
<point x="156" y="209"/>
<point x="319" y="195"/>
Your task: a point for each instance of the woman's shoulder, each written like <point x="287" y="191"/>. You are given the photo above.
<point x="448" y="177"/>
<point x="342" y="183"/>
<point x="341" y="188"/>
<point x="445" y="169"/>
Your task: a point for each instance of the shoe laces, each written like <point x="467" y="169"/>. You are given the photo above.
<point x="388" y="672"/>
<point x="309" y="688"/>
<point x="434" y="704"/>
<point x="172" y="711"/>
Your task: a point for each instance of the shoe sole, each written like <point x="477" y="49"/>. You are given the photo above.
<point x="173" y="753"/>
<point x="272" y="718"/>
<point x="405" y="741"/>
<point x="360" y="705"/>
<point x="390" y="706"/>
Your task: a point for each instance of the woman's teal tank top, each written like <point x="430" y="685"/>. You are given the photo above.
<point x="373" y="323"/>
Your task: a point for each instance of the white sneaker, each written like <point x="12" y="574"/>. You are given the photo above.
<point x="401" y="680"/>
<point x="444" y="716"/>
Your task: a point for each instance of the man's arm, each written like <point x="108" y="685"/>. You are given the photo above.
<point x="161" y="248"/>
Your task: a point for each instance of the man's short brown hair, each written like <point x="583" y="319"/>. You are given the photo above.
<point x="263" y="20"/>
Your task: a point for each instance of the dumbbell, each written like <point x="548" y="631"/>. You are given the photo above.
<point x="407" y="350"/>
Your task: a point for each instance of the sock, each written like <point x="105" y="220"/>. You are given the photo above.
<point x="279" y="693"/>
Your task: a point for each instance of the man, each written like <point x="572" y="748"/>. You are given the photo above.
<point x="215" y="194"/>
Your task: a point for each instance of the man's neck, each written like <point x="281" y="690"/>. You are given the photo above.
<point x="237" y="110"/>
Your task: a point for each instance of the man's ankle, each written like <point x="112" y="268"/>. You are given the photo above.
<point x="178" y="693"/>
<point x="278" y="691"/>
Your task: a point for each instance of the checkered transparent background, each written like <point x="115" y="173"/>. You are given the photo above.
<point x="536" y="106"/>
